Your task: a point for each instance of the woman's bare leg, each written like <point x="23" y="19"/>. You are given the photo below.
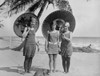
<point x="68" y="63"/>
<point x="26" y="63"/>
<point x="51" y="62"/>
<point x="54" y="62"/>
<point x="30" y="63"/>
<point x="63" y="62"/>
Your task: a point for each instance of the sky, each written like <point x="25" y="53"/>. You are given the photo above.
<point x="86" y="14"/>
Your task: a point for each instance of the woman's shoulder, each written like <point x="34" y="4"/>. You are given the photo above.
<point x="68" y="32"/>
<point x="32" y="31"/>
<point x="57" y="31"/>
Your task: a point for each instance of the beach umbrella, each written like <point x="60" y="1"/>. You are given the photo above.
<point x="23" y="21"/>
<point x="16" y="6"/>
<point x="59" y="14"/>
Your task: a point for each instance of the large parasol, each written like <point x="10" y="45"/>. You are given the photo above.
<point x="59" y="14"/>
<point x="24" y="20"/>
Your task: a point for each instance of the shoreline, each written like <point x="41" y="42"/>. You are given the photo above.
<point x="6" y="44"/>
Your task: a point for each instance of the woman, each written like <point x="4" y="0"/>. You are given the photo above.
<point x="29" y="47"/>
<point x="52" y="47"/>
<point x="66" y="47"/>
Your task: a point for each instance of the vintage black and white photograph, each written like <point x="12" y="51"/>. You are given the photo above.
<point x="49" y="38"/>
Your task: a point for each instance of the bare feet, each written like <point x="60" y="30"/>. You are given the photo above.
<point x="65" y="72"/>
<point x="53" y="71"/>
<point x="50" y="72"/>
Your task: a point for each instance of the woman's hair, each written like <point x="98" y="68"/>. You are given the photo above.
<point x="33" y="20"/>
<point x="67" y="24"/>
<point x="59" y="23"/>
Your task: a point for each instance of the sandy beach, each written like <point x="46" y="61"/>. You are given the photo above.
<point x="83" y="18"/>
<point x="82" y="63"/>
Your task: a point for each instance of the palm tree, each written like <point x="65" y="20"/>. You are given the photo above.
<point x="17" y="6"/>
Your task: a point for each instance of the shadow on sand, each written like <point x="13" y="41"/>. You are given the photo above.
<point x="5" y="48"/>
<point x="20" y="69"/>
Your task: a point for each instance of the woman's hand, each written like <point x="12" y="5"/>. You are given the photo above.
<point x="46" y="45"/>
<point x="46" y="49"/>
<point x="59" y="44"/>
<point x="38" y="47"/>
<point x="26" y="30"/>
<point x="67" y="38"/>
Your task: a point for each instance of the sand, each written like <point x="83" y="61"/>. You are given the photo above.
<point x="82" y="63"/>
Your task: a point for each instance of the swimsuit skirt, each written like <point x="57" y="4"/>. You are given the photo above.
<point x="53" y="47"/>
<point x="66" y="47"/>
<point x="30" y="45"/>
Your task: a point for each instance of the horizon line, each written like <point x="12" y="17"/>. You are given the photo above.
<point x="43" y="36"/>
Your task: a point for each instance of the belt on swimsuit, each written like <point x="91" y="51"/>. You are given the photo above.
<point x="53" y="43"/>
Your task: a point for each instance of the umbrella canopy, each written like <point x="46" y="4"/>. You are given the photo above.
<point x="24" y="20"/>
<point x="59" y="14"/>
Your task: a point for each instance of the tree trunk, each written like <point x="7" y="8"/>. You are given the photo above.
<point x="42" y="9"/>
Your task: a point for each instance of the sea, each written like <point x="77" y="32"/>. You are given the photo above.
<point x="14" y="41"/>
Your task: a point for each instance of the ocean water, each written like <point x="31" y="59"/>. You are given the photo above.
<point x="86" y="41"/>
<point x="76" y="41"/>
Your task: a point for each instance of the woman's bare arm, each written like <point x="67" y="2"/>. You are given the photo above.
<point x="38" y="46"/>
<point x="69" y="39"/>
<point x="26" y="30"/>
<point x="46" y="45"/>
